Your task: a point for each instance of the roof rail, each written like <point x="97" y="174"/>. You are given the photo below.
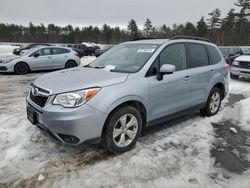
<point x="142" y="38"/>
<point x="190" y="37"/>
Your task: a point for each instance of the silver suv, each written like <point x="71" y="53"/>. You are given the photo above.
<point x="131" y="86"/>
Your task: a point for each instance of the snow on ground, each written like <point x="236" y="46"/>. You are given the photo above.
<point x="173" y="154"/>
<point x="6" y="50"/>
<point x="87" y="59"/>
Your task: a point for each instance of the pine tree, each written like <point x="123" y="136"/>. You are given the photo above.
<point x="147" y="27"/>
<point x="202" y="28"/>
<point x="133" y="29"/>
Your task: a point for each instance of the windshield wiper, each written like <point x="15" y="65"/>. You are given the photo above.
<point x="87" y="66"/>
<point x="120" y="70"/>
<point x="96" y="67"/>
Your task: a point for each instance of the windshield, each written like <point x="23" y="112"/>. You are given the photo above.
<point x="225" y="51"/>
<point x="125" y="57"/>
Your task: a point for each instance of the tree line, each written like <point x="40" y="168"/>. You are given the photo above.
<point x="233" y="29"/>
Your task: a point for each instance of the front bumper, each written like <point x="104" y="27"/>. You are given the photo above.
<point x="240" y="71"/>
<point x="69" y="125"/>
<point x="6" y="67"/>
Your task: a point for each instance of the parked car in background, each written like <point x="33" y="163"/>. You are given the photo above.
<point x="42" y="58"/>
<point x="230" y="53"/>
<point x="17" y="51"/>
<point x="79" y="49"/>
<point x="103" y="49"/>
<point x="245" y="50"/>
<point x="240" y="67"/>
<point x="133" y="85"/>
<point x="83" y="49"/>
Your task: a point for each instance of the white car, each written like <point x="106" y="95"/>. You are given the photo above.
<point x="240" y="67"/>
<point x="42" y="58"/>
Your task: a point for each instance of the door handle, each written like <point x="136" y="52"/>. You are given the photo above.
<point x="49" y="57"/>
<point x="187" y="78"/>
<point x="211" y="72"/>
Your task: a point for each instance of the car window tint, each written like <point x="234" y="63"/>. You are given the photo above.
<point x="197" y="55"/>
<point x="175" y="55"/>
<point x="44" y="51"/>
<point x="58" y="51"/>
<point x="213" y="54"/>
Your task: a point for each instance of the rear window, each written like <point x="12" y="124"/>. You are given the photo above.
<point x="213" y="54"/>
<point x="197" y="55"/>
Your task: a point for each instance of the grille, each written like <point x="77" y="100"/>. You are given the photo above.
<point x="3" y="68"/>
<point x="39" y="96"/>
<point x="244" y="64"/>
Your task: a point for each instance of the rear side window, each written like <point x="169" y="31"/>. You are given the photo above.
<point x="197" y="55"/>
<point x="213" y="54"/>
<point x="59" y="51"/>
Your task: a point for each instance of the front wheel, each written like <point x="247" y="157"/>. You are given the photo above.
<point x="21" y="68"/>
<point x="123" y="130"/>
<point x="213" y="103"/>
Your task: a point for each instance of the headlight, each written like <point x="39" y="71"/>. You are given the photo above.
<point x="236" y="63"/>
<point x="7" y="61"/>
<point x="75" y="99"/>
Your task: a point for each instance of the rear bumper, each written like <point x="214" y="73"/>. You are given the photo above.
<point x="69" y="126"/>
<point x="240" y="71"/>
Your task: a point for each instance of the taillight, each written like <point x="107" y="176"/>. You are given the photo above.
<point x="77" y="54"/>
<point x="227" y="67"/>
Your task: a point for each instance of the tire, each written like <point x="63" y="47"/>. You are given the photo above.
<point x="234" y="76"/>
<point x="70" y="64"/>
<point x="213" y="103"/>
<point x="21" y="68"/>
<point x="127" y="122"/>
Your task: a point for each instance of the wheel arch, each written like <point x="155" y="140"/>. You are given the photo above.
<point x="220" y="86"/>
<point x="135" y="103"/>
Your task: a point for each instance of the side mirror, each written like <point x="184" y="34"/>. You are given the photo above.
<point x="36" y="55"/>
<point x="165" y="69"/>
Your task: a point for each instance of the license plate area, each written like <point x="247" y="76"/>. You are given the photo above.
<point x="31" y="115"/>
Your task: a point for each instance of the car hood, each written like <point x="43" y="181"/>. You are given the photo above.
<point x="243" y="58"/>
<point x="78" y="78"/>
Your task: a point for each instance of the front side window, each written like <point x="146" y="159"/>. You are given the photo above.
<point x="125" y="57"/>
<point x="174" y="54"/>
<point x="44" y="51"/>
<point x="197" y="55"/>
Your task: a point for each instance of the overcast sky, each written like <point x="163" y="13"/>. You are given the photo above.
<point x="112" y="12"/>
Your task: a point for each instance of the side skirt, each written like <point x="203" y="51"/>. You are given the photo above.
<point x="175" y="115"/>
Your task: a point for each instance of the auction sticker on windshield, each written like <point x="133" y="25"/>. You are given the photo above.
<point x="150" y="50"/>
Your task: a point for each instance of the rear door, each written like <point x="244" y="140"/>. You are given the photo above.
<point x="201" y="73"/>
<point x="171" y="94"/>
<point x="59" y="57"/>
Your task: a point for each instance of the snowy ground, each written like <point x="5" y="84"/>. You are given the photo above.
<point x="188" y="152"/>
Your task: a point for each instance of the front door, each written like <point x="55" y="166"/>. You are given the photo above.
<point x="171" y="94"/>
<point x="43" y="61"/>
